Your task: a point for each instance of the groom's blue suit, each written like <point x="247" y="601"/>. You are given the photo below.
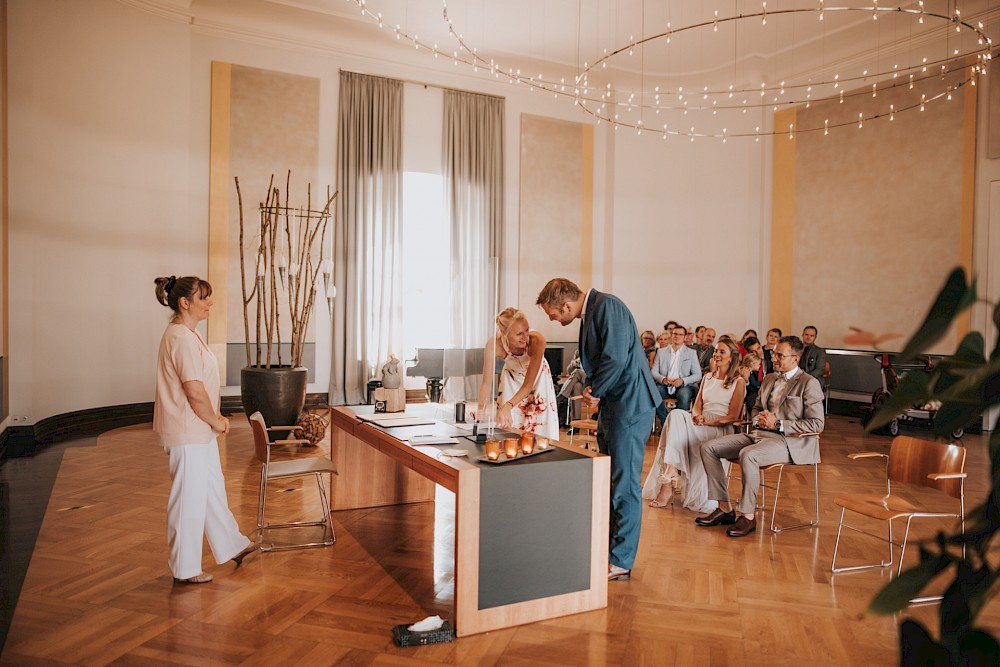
<point x="618" y="374"/>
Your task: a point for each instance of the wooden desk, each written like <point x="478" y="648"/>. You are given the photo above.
<point x="526" y="546"/>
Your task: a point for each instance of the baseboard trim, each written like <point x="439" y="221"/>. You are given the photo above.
<point x="90" y="422"/>
<point x="26" y="440"/>
<point x="17" y="441"/>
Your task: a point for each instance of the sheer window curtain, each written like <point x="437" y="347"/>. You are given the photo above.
<point x="474" y="186"/>
<point x="368" y="308"/>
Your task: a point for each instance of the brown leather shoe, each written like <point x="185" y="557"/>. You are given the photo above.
<point x="743" y="527"/>
<point x="718" y="517"/>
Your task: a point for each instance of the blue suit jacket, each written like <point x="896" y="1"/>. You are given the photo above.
<point x="612" y="356"/>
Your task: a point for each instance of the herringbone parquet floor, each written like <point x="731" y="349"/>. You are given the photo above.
<point x="98" y="591"/>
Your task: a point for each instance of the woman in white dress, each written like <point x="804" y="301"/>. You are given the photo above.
<point x="527" y="397"/>
<point x="678" y="459"/>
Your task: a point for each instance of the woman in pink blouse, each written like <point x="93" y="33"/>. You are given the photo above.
<point x="187" y="420"/>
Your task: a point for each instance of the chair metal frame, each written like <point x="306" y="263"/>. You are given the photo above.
<point x="299" y="467"/>
<point x="762" y="496"/>
<point x="918" y="459"/>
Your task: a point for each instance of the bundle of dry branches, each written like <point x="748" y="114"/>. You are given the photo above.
<point x="288" y="259"/>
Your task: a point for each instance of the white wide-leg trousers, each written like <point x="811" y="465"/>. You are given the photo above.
<point x="198" y="507"/>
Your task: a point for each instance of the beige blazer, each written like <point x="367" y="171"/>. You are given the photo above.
<point x="800" y="411"/>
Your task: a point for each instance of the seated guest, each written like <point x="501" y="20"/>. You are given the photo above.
<point x="753" y="347"/>
<point x="678" y="456"/>
<point x="689" y="339"/>
<point x="706" y="349"/>
<point x="772" y="339"/>
<point x="669" y="327"/>
<point x="699" y="334"/>
<point x="730" y="337"/>
<point x="676" y="373"/>
<point x="572" y="386"/>
<point x="662" y="340"/>
<point x="648" y="339"/>
<point x="789" y="402"/>
<point x="750" y="366"/>
<point x="813" y="356"/>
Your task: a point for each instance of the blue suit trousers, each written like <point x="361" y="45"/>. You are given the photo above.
<point x="623" y="438"/>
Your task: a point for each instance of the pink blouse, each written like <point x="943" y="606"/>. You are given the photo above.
<point x="183" y="356"/>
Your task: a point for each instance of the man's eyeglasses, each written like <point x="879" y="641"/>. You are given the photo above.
<point x="779" y="354"/>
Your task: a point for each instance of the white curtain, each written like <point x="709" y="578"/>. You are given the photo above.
<point x="473" y="170"/>
<point x="368" y="309"/>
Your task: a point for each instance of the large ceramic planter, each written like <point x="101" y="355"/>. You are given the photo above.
<point x="279" y="393"/>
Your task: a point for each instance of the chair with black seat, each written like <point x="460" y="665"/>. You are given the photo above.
<point x="316" y="466"/>
<point x="910" y="461"/>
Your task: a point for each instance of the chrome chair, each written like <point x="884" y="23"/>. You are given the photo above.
<point x="909" y="461"/>
<point x="780" y="467"/>
<point x="297" y="467"/>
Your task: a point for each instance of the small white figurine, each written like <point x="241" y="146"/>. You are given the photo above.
<point x="390" y="373"/>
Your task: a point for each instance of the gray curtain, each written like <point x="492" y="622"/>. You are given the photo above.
<point x="473" y="171"/>
<point x="368" y="309"/>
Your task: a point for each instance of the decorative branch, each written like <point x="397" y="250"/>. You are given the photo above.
<point x="304" y="228"/>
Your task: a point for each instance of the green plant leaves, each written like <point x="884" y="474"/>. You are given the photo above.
<point x="897" y="593"/>
<point x="954" y="297"/>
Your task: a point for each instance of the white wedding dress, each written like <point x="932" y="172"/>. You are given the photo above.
<point x="680" y="445"/>
<point x="537" y="412"/>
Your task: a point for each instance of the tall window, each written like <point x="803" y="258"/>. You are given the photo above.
<point x="426" y="268"/>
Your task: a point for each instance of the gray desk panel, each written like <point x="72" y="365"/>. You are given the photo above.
<point x="534" y="534"/>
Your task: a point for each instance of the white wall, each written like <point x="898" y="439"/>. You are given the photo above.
<point x="109" y="130"/>
<point x="101" y="199"/>
<point x="687" y="231"/>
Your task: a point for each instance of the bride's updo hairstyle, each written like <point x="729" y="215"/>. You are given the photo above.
<point x="508" y="316"/>
<point x="170" y="289"/>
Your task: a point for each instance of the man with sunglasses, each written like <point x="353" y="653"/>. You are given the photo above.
<point x="790" y="402"/>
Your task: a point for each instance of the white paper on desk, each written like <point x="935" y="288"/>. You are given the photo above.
<point x="396" y="421"/>
<point x="432" y="440"/>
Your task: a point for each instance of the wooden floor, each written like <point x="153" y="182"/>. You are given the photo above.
<point x="98" y="591"/>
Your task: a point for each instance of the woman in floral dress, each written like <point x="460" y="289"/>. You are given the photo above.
<point x="527" y="397"/>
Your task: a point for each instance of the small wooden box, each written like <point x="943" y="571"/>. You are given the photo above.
<point x="394" y="400"/>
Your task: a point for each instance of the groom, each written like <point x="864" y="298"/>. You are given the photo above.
<point x="619" y="382"/>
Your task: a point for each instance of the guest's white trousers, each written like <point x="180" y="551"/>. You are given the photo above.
<point x="198" y="507"/>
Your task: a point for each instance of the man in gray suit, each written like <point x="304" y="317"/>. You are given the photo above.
<point x="789" y="402"/>
<point x="813" y="356"/>
<point x="620" y="385"/>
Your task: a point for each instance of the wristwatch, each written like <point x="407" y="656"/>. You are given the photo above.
<point x="778" y="427"/>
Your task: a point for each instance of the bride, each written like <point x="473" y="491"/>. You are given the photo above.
<point x="678" y="459"/>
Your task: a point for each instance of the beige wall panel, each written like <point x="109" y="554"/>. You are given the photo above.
<point x="878" y="215"/>
<point x="556" y="213"/>
<point x="274" y="127"/>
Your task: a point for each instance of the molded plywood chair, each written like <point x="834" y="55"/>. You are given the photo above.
<point x="910" y="461"/>
<point x="298" y="467"/>
<point x="586" y="427"/>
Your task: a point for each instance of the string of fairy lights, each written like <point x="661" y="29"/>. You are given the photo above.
<point x="966" y="47"/>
